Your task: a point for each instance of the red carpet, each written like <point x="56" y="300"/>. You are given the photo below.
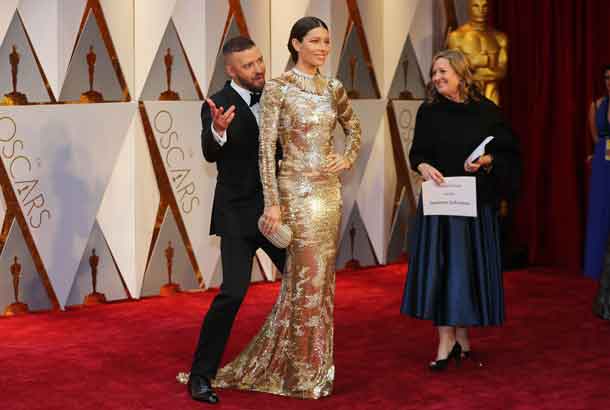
<point x="551" y="354"/>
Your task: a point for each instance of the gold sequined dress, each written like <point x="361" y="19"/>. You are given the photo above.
<point x="292" y="355"/>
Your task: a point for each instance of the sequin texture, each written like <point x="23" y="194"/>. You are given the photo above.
<point x="292" y="355"/>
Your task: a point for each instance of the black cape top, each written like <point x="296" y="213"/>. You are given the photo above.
<point x="447" y="132"/>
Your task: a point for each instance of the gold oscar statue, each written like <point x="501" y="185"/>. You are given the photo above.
<point x="18" y="307"/>
<point x="14" y="97"/>
<point x="91" y="96"/>
<point x="169" y="95"/>
<point x="95" y="297"/>
<point x="169" y="288"/>
<point x="405" y="94"/>
<point x="485" y="47"/>
<point x="352" y="92"/>
<point x="352" y="263"/>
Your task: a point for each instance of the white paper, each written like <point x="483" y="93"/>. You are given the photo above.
<point x="457" y="196"/>
<point x="478" y="151"/>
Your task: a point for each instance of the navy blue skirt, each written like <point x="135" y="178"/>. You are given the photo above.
<point x="455" y="270"/>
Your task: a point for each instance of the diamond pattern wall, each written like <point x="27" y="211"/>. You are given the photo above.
<point x="134" y="189"/>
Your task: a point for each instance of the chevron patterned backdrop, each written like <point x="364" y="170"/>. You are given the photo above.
<point x="114" y="167"/>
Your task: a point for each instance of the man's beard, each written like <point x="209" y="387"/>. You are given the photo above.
<point x="249" y="84"/>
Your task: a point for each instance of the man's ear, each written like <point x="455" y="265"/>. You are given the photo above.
<point x="230" y="70"/>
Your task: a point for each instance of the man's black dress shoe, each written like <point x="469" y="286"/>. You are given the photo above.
<point x="200" y="389"/>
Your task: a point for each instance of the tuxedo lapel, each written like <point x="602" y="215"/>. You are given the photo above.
<point x="243" y="113"/>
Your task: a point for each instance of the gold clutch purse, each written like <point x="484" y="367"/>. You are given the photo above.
<point x="281" y="238"/>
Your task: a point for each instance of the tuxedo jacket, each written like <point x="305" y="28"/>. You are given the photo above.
<point x="238" y="199"/>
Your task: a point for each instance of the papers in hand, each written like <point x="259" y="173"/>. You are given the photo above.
<point x="478" y="151"/>
<point x="457" y="196"/>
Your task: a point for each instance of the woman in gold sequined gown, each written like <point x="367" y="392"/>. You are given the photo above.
<point x="292" y="355"/>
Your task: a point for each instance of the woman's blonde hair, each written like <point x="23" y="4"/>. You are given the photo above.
<point x="468" y="87"/>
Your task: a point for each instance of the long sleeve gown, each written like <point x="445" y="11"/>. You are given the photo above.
<point x="292" y="355"/>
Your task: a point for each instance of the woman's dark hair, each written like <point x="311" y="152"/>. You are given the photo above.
<point x="300" y="29"/>
<point x="604" y="69"/>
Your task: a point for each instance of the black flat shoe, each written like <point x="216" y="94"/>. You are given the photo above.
<point x="200" y="389"/>
<point x="441" y="364"/>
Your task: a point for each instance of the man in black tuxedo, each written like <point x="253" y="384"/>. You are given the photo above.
<point x="230" y="139"/>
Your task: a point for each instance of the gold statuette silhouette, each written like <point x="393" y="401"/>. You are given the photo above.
<point x="17" y="307"/>
<point x="91" y="96"/>
<point x="352" y="263"/>
<point x="14" y="97"/>
<point x="95" y="297"/>
<point x="485" y="47"/>
<point x="169" y="95"/>
<point x="405" y="94"/>
<point x="169" y="288"/>
<point x="352" y="92"/>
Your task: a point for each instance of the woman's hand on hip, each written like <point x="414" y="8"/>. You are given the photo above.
<point x="428" y="172"/>
<point x="272" y="217"/>
<point x="335" y="164"/>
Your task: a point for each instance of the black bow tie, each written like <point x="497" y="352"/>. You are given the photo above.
<point x="254" y="98"/>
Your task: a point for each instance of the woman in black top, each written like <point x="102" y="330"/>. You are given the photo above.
<point x="455" y="272"/>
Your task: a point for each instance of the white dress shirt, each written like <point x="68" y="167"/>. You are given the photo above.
<point x="246" y="96"/>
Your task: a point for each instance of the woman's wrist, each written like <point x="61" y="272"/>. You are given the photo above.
<point x="488" y="163"/>
<point x="485" y="160"/>
<point x="270" y="205"/>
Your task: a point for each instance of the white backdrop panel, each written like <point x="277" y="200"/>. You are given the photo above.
<point x="339" y="18"/>
<point x="7" y="11"/>
<point x="423" y="35"/>
<point x="31" y="288"/>
<point x="361" y="81"/>
<point x="398" y="17"/>
<point x="283" y="15"/>
<point x="77" y="78"/>
<point x="150" y="21"/>
<point x="157" y="271"/>
<point x="181" y="78"/>
<point x="177" y="129"/>
<point x="406" y="112"/>
<point x="119" y="16"/>
<point x="363" y="250"/>
<point x="377" y="189"/>
<point x="108" y="278"/>
<point x="120" y="207"/>
<point x="371" y="12"/>
<point x="40" y="19"/>
<point x="64" y="159"/>
<point x="269" y="269"/>
<point x="147" y="198"/>
<point x="189" y="20"/>
<point x="216" y="13"/>
<point x="70" y="16"/>
<point x="258" y="20"/>
<point x="29" y="79"/>
<point x="370" y="113"/>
